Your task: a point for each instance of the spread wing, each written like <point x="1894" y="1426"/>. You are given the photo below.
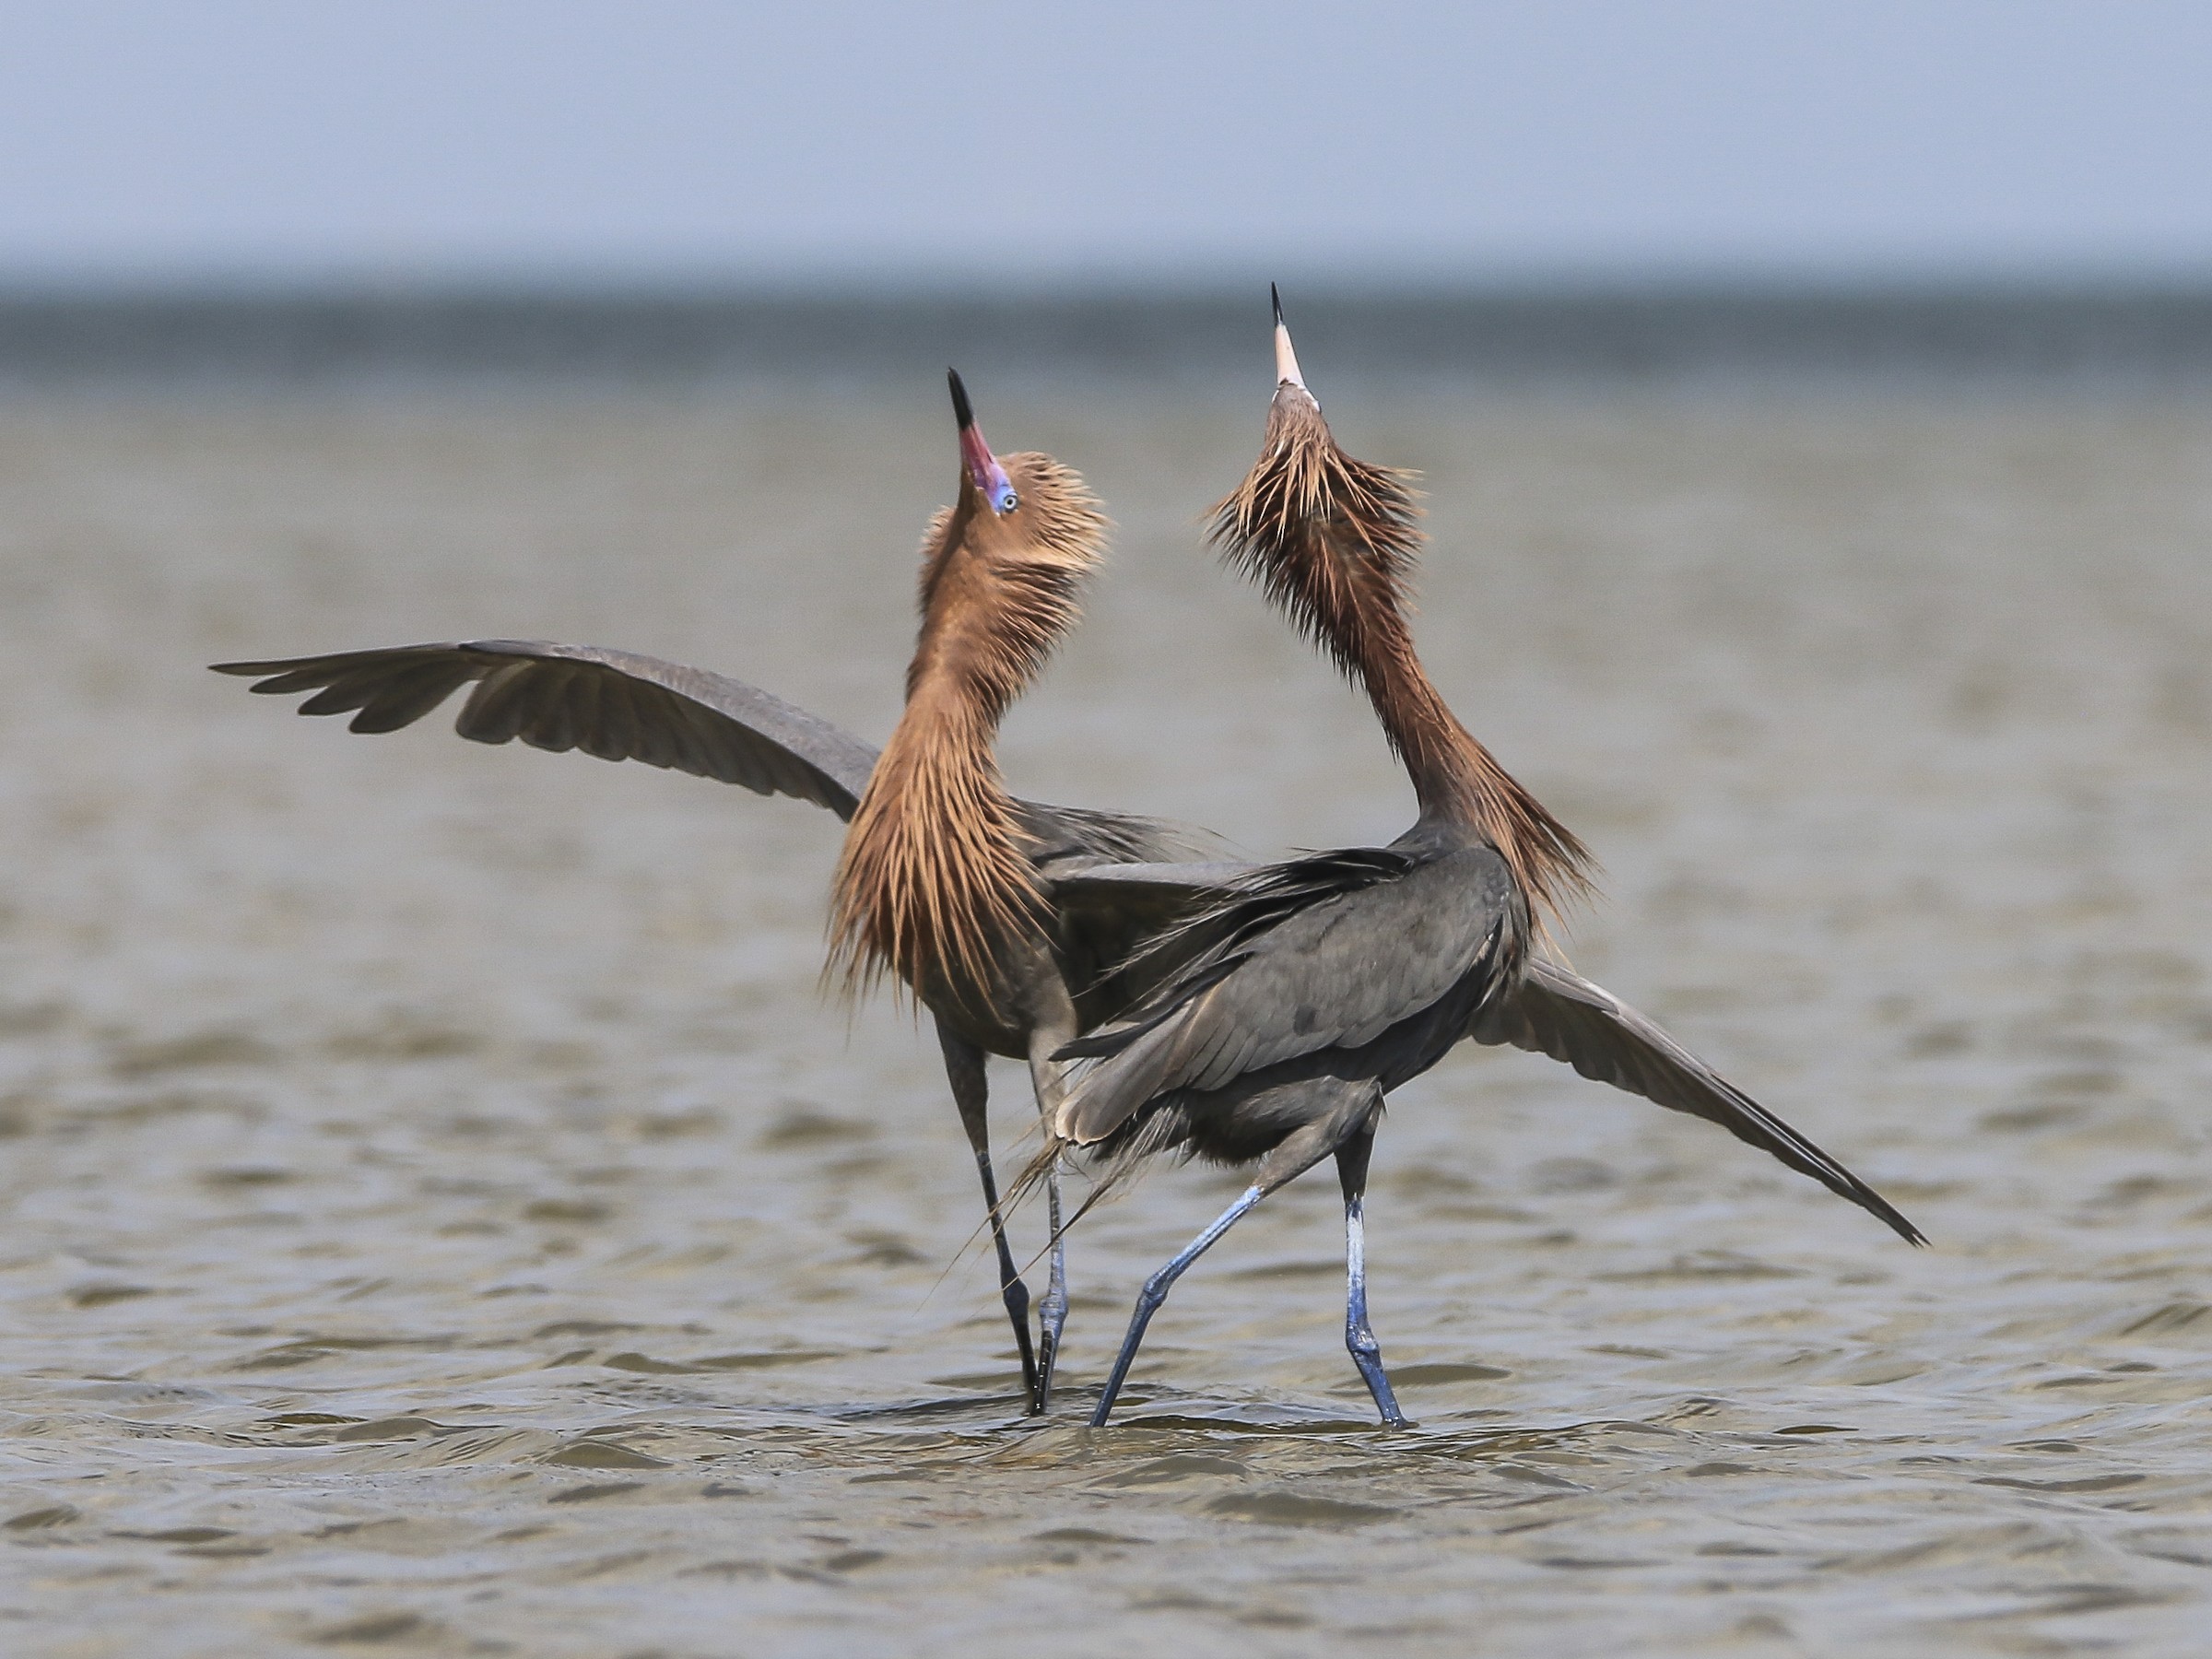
<point x="1560" y="1014"/>
<point x="1324" y="952"/>
<point x="613" y="705"/>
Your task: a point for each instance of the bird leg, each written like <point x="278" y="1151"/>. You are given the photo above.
<point x="1052" y="1312"/>
<point x="1049" y="1078"/>
<point x="1156" y="1291"/>
<point x="1356" y="1108"/>
<point x="970" y="1093"/>
<point x="1359" y="1335"/>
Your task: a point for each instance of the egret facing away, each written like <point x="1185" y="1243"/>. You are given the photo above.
<point x="945" y="879"/>
<point x="1306" y="991"/>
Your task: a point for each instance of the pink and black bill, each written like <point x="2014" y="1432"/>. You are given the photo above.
<point x="990" y="477"/>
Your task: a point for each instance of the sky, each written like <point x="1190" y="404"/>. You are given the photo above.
<point x="1461" y="141"/>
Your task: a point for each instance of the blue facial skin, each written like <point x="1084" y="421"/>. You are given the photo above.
<point x="991" y="480"/>
<point x="992" y="483"/>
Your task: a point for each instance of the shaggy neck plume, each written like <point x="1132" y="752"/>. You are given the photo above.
<point x="1333" y="542"/>
<point x="936" y="885"/>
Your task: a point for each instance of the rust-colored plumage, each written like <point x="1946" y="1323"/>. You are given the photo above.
<point x="936" y="885"/>
<point x="1333" y="541"/>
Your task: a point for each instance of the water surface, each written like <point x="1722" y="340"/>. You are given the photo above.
<point x="441" y="1218"/>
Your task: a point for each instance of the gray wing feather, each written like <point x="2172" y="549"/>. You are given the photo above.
<point x="1173" y="884"/>
<point x="1074" y="839"/>
<point x="1110" y="916"/>
<point x="1338" y="974"/>
<point x="1560" y="1014"/>
<point x="614" y="704"/>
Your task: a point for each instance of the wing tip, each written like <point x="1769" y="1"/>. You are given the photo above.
<point x="1845" y="1185"/>
<point x="1852" y="1187"/>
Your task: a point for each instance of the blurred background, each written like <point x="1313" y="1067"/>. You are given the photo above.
<point x="437" y="1211"/>
<point x="710" y="192"/>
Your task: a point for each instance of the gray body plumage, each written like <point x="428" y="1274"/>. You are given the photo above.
<point x="1305" y="992"/>
<point x="1367" y="964"/>
<point x="1338" y="965"/>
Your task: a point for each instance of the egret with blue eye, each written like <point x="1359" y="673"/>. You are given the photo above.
<point x="990" y="477"/>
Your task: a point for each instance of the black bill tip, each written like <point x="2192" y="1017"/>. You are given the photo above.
<point x="961" y="410"/>
<point x="1275" y="297"/>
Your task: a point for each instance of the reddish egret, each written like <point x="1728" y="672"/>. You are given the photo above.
<point x="1308" y="990"/>
<point x="944" y="880"/>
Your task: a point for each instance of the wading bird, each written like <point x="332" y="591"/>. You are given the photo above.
<point x="944" y="879"/>
<point x="1294" y="998"/>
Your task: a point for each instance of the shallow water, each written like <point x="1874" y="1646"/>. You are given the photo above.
<point x="440" y="1216"/>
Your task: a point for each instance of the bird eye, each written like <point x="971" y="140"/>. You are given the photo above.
<point x="1008" y="501"/>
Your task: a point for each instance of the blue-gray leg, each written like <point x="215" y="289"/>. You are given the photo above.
<point x="1336" y="1109"/>
<point x="1052" y="1312"/>
<point x="1359" y="1335"/>
<point x="970" y="1093"/>
<point x="1156" y="1291"/>
<point x="1048" y="1078"/>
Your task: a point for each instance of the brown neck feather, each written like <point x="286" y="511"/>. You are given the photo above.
<point x="935" y="884"/>
<point x="1333" y="542"/>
